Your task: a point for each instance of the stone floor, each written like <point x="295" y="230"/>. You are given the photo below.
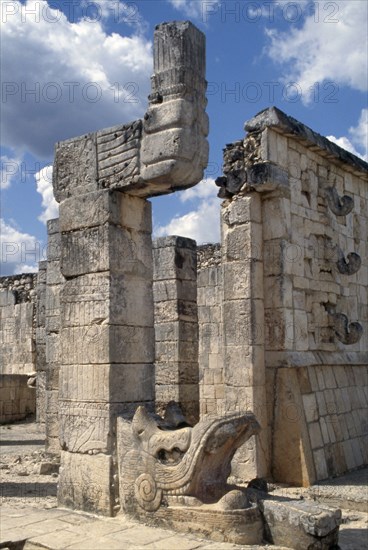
<point x="28" y="507"/>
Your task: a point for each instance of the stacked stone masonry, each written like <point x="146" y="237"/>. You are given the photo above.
<point x="273" y="320"/>
<point x="312" y="242"/>
<point x="18" y="317"/>
<point x="210" y="286"/>
<point x="18" y="311"/>
<point x="54" y="286"/>
<point x="17" y="399"/>
<point x="176" y="325"/>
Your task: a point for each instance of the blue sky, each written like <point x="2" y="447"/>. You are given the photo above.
<point x="70" y="67"/>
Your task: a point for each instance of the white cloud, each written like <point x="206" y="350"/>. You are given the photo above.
<point x="359" y="133"/>
<point x="205" y="189"/>
<point x="358" y="141"/>
<point x="202" y="223"/>
<point x="329" y="46"/>
<point x="44" y="187"/>
<point x="10" y="168"/>
<point x="67" y="78"/>
<point x="20" y="252"/>
<point x="196" y="9"/>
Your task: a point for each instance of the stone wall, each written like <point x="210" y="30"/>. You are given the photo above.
<point x="17" y="400"/>
<point x="17" y="315"/>
<point x="313" y="214"/>
<point x="18" y="310"/>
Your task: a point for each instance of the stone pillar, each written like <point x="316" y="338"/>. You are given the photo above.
<point x="102" y="181"/>
<point x="243" y="322"/>
<point x="107" y="337"/>
<point x="210" y="352"/>
<point x="40" y="338"/>
<point x="54" y="282"/>
<point x="176" y="324"/>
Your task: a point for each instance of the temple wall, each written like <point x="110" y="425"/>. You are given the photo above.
<point x="314" y="206"/>
<point x="316" y="269"/>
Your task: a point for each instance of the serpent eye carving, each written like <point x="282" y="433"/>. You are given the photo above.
<point x="170" y="458"/>
<point x="347" y="333"/>
<point x="340" y="206"/>
<point x="351" y="266"/>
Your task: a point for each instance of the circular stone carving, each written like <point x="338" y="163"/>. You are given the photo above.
<point x="147" y="493"/>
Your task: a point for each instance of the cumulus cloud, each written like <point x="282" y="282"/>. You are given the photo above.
<point x="20" y="252"/>
<point x="10" y="168"/>
<point x="329" y="46"/>
<point x="203" y="222"/>
<point x="357" y="143"/>
<point x="44" y="188"/>
<point x="67" y="78"/>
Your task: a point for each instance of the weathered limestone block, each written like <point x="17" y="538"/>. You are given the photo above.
<point x="174" y="259"/>
<point x="106" y="343"/>
<point x="86" y="483"/>
<point x="75" y="167"/>
<point x="107" y="383"/>
<point x="107" y="298"/>
<point x="118" y="155"/>
<point x="91" y="250"/>
<point x="100" y="207"/>
<point x="293" y="459"/>
<point x="300" y="524"/>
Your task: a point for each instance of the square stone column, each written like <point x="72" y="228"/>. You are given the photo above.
<point x="107" y="337"/>
<point x="243" y="326"/>
<point x="54" y="283"/>
<point x="176" y="324"/>
<point x="40" y="338"/>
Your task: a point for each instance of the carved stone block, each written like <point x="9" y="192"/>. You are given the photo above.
<point x="86" y="483"/>
<point x="75" y="167"/>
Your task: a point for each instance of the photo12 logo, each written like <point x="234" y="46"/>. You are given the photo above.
<point x="270" y="91"/>
<point x="89" y="11"/>
<point x="270" y="12"/>
<point x="69" y="92"/>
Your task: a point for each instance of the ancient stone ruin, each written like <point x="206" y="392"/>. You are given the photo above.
<point x="168" y="376"/>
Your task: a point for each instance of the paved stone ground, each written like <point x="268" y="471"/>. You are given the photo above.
<point x="29" y="508"/>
